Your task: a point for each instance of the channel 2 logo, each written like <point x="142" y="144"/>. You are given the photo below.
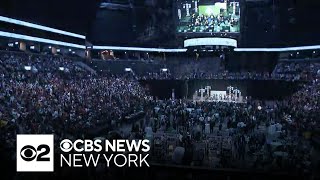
<point x="35" y="153"/>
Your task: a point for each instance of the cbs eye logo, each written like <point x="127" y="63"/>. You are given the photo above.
<point x="35" y="153"/>
<point x="29" y="153"/>
<point x="66" y="145"/>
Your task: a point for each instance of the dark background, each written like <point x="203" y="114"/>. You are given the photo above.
<point x="69" y="15"/>
<point x="266" y="23"/>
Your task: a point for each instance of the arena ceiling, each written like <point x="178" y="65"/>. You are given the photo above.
<point x="70" y="15"/>
<point x="268" y="23"/>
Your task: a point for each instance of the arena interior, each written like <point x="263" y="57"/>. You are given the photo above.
<point x="222" y="89"/>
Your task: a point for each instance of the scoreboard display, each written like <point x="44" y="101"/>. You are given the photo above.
<point x="208" y="16"/>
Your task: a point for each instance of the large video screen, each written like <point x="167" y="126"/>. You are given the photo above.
<point x="208" y="16"/>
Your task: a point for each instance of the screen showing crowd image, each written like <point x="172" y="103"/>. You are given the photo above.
<point x="208" y="16"/>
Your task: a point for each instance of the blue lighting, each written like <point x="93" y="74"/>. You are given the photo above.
<point x="41" y="40"/>
<point x="36" y="26"/>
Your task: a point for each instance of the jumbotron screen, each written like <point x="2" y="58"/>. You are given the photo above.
<point x="208" y="16"/>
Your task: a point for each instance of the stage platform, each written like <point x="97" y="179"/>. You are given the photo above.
<point x="225" y="101"/>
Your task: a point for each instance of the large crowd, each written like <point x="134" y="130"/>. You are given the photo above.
<point x="69" y="103"/>
<point x="220" y="75"/>
<point x="269" y="136"/>
<point x="202" y="69"/>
